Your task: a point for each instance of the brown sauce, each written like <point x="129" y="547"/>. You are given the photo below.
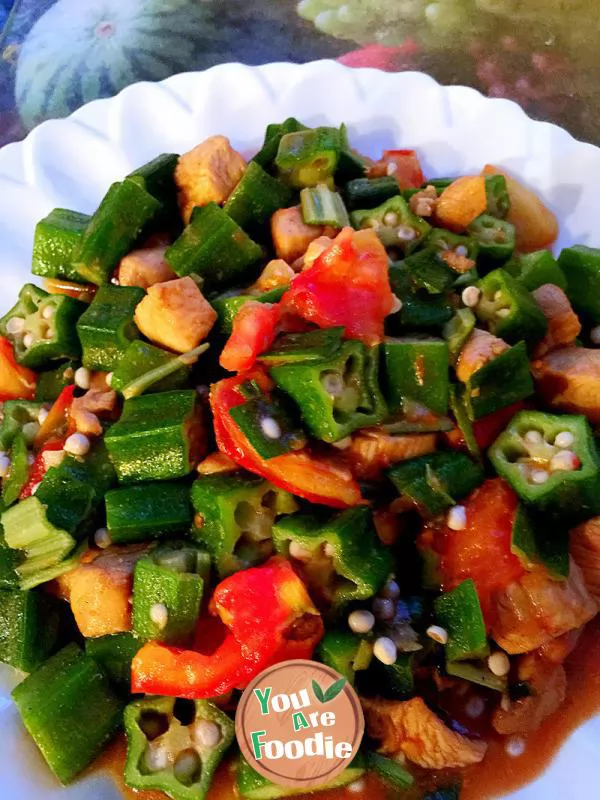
<point x="497" y="775"/>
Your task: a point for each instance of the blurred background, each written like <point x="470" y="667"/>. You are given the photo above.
<point x="58" y="54"/>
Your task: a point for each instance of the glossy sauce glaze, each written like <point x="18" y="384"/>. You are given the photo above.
<point x="497" y="775"/>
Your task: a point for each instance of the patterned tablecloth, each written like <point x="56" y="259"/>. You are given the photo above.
<point x="58" y="54"/>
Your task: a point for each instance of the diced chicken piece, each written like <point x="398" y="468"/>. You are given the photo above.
<point x="277" y="274"/>
<point x="423" y="202"/>
<point x="568" y="379"/>
<point x="563" y="323"/>
<point x="532" y="611"/>
<point x="99" y="590"/>
<point x="175" y="315"/>
<point x="372" y="451"/>
<point x="291" y="235"/>
<point x="86" y="409"/>
<point x="144" y="268"/>
<point x="480" y="348"/>
<point x="216" y="463"/>
<point x="585" y="551"/>
<point x="547" y="683"/>
<point x="208" y="173"/>
<point x="412" y="729"/>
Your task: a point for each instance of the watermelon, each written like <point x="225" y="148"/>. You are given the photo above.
<point x="80" y="50"/>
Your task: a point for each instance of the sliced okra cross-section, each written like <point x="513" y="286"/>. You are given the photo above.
<point x="395" y="224"/>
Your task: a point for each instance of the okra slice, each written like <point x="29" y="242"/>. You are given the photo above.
<point x="533" y="270"/>
<point x="114" y="653"/>
<point x="70" y="710"/>
<point x="214" y="247"/>
<point x="274" y="133"/>
<point x="157" y="177"/>
<point x="148" y="511"/>
<point x="28" y="628"/>
<point x="113" y="231"/>
<point x="141" y="357"/>
<point x="496" y="239"/>
<point x="457" y="330"/>
<point x="41" y="327"/>
<point x="420" y="310"/>
<point x="167" y="593"/>
<point x="581" y="267"/>
<point x="394" y="223"/>
<point x="107" y="327"/>
<point x="158" y="437"/>
<point x="389" y="770"/>
<point x="234" y="518"/>
<point x="445" y="243"/>
<point x="479" y="673"/>
<point x="322" y="206"/>
<point x="256" y="198"/>
<point x="427" y="272"/>
<point x="459" y="613"/>
<point x="9" y="561"/>
<point x="416" y="368"/>
<point x="499" y="383"/>
<point x="551" y="462"/>
<point x="253" y="786"/>
<point x="337" y="396"/>
<point x="51" y="382"/>
<point x="533" y="541"/>
<point x="55" y="238"/>
<point x="18" y="471"/>
<point x="309" y="157"/>
<point x="498" y="200"/>
<point x="175" y="746"/>
<point x="267" y="425"/>
<point x="365" y="193"/>
<point x="229" y="303"/>
<point x="310" y="347"/>
<point x="345" y="652"/>
<point x="341" y="559"/>
<point x="509" y="310"/>
<point x="392" y="681"/>
<point x="436" y="481"/>
<point x="18" y="416"/>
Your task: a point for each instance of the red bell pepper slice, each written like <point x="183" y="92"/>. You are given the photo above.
<point x="348" y="285"/>
<point x="58" y="424"/>
<point x="317" y="478"/>
<point x="16" y="382"/>
<point x="403" y="165"/>
<point x="259" y="606"/>
<point x="254" y="330"/>
<point x="39" y="468"/>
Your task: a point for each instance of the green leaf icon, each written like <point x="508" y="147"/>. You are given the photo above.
<point x="318" y="692"/>
<point x="334" y="690"/>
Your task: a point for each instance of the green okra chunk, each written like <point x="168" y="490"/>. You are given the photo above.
<point x="436" y="481"/>
<point x="338" y="395"/>
<point x="509" y="310"/>
<point x="313" y="346"/>
<point x="392" y="681"/>
<point x="341" y="559"/>
<point x="167" y="593"/>
<point x="17" y="414"/>
<point x="551" y="462"/>
<point x="107" y="327"/>
<point x="256" y="198"/>
<point x="229" y="303"/>
<point x="18" y="471"/>
<point x="581" y="268"/>
<point x="54" y="240"/>
<point x="157" y="177"/>
<point x="389" y="770"/>
<point x="499" y="383"/>
<point x="43" y="547"/>
<point x="267" y="425"/>
<point x="141" y="357"/>
<point x="416" y="368"/>
<point x="498" y="200"/>
<point x="175" y="746"/>
<point x="345" y="652"/>
<point x="533" y="270"/>
<point x="351" y="164"/>
<point x="114" y="653"/>
<point x="459" y="613"/>
<point x="70" y="710"/>
<point x="446" y="243"/>
<point x="214" y="247"/>
<point x="9" y="561"/>
<point x="234" y="518"/>
<point x="28" y="628"/>
<point x="428" y="272"/>
<point x="535" y="542"/>
<point x="41" y="327"/>
<point x="156" y="437"/>
<point x="496" y="239"/>
<point x="464" y="422"/>
<point x="395" y="224"/>
<point x="148" y="511"/>
<point x="309" y="157"/>
<point x="113" y="230"/>
<point x="51" y="382"/>
<point x="274" y="133"/>
<point x="364" y="193"/>
<point x="457" y="330"/>
<point x="322" y="206"/>
<point x="253" y="786"/>
<point x="420" y="310"/>
<point x="72" y="491"/>
<point x="479" y="673"/>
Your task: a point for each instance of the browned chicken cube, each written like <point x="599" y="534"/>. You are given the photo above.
<point x="291" y="235"/>
<point x="208" y="174"/>
<point x="585" y="551"/>
<point x="479" y="348"/>
<point x="277" y="274"/>
<point x="85" y="410"/>
<point x="145" y="267"/>
<point x="372" y="451"/>
<point x="175" y="315"/>
<point x="563" y="323"/>
<point x="568" y="380"/>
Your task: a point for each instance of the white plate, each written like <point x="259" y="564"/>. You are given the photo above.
<point x="71" y="162"/>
